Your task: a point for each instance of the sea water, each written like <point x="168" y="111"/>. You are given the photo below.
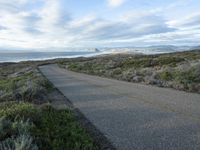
<point x="33" y="56"/>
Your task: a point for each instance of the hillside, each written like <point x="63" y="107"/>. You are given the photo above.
<point x="180" y="70"/>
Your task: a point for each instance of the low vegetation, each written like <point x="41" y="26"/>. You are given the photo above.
<point x="27" y="119"/>
<point x="30" y="86"/>
<point x="24" y="126"/>
<point x="176" y="70"/>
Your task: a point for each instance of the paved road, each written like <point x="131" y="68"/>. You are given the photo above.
<point x="133" y="116"/>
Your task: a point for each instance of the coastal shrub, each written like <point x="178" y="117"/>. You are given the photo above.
<point x="190" y="55"/>
<point x="190" y="76"/>
<point x="151" y="61"/>
<point x="20" y="110"/>
<point x="5" y="126"/>
<point x="128" y="75"/>
<point x="24" y="126"/>
<point x="61" y="131"/>
<point x="194" y="74"/>
<point x="43" y="82"/>
<point x="179" y="70"/>
<point x="27" y="87"/>
<point x="168" y="60"/>
<point x="166" y="75"/>
<point x="137" y="63"/>
<point x="74" y="66"/>
<point x="117" y="71"/>
<point x="7" y="85"/>
<point x="25" y="142"/>
<point x="15" y="135"/>
<point x="186" y="80"/>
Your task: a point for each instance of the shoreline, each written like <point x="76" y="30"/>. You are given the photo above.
<point x="98" y="54"/>
<point x="45" y="56"/>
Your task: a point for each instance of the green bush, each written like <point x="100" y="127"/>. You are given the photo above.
<point x="137" y="63"/>
<point x="168" y="60"/>
<point x="28" y="87"/>
<point x="74" y="66"/>
<point x="12" y="110"/>
<point x="166" y="75"/>
<point x="59" y="129"/>
<point x="188" y="77"/>
<point x="44" y="128"/>
<point x="117" y="71"/>
<point x="15" y="135"/>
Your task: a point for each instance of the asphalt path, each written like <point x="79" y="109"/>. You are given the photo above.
<point x="132" y="116"/>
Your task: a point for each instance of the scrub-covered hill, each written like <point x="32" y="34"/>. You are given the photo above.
<point x="175" y="70"/>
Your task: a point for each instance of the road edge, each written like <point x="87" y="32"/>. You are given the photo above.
<point x="99" y="138"/>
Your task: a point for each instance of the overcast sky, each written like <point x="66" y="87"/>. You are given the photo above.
<point x="98" y="23"/>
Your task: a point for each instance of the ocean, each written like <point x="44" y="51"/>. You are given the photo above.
<point x="34" y="56"/>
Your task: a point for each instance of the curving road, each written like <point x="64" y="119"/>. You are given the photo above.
<point x="133" y="116"/>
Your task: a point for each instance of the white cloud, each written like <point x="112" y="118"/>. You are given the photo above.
<point x="33" y="28"/>
<point x="51" y="26"/>
<point x="115" y="3"/>
<point x="132" y="26"/>
<point x="192" y="20"/>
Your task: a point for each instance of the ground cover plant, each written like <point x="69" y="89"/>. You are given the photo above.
<point x="175" y="70"/>
<point x="28" y="120"/>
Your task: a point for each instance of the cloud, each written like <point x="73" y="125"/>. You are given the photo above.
<point x="52" y="26"/>
<point x="115" y="3"/>
<point x="30" y="21"/>
<point x="125" y="27"/>
<point x="12" y="5"/>
<point x="3" y="28"/>
<point x="52" y="29"/>
<point x="188" y="21"/>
